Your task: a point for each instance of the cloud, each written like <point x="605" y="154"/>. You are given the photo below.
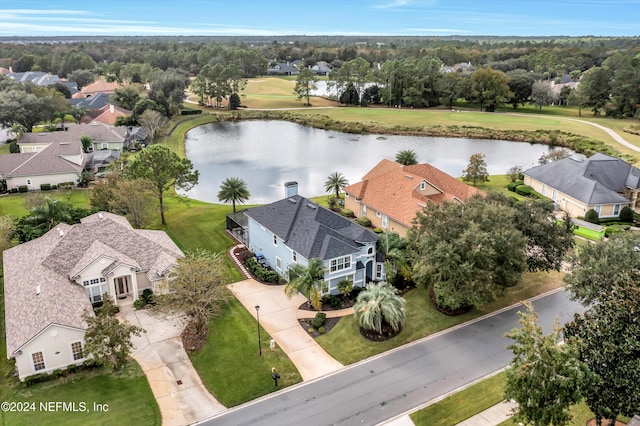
<point x="392" y="4"/>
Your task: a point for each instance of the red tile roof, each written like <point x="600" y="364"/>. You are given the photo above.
<point x="394" y="189"/>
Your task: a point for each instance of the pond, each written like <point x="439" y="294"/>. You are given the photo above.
<point x="268" y="153"/>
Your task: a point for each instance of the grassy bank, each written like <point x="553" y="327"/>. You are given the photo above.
<point x="345" y="343"/>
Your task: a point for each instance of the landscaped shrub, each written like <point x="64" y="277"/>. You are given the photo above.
<point x="260" y="272"/>
<point x="592" y="216"/>
<point x="54" y="186"/>
<point x="626" y="214"/>
<point x="347" y="213"/>
<point x="36" y="378"/>
<point x="147" y="296"/>
<point x="190" y="111"/>
<point x="525" y="190"/>
<point x="45" y="186"/>
<point x="512" y="186"/>
<point x="378" y="230"/>
<point x="615" y="230"/>
<point x="139" y="304"/>
<point x="23" y="188"/>
<point x="321" y="330"/>
<point x="519" y="182"/>
<point x="14" y="148"/>
<point x="332" y="300"/>
<point x="364" y="221"/>
<point x="318" y="320"/>
<point x="66" y="185"/>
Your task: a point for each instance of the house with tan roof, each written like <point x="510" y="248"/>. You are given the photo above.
<point x="391" y="194"/>
<point x="99" y="86"/>
<point x="51" y="281"/>
<point x="108" y="114"/>
<point x="56" y="157"/>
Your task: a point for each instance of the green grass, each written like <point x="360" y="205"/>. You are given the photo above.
<point x="498" y="183"/>
<point x="345" y="343"/>
<point x="230" y="366"/>
<point x="463" y="404"/>
<point x="127" y="395"/>
<point x="14" y="204"/>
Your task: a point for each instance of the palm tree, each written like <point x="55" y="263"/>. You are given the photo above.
<point x="335" y="182"/>
<point x="380" y="304"/>
<point x="51" y="212"/>
<point x="78" y="112"/>
<point x="305" y="280"/>
<point x="18" y="130"/>
<point x="235" y="190"/>
<point x="407" y="157"/>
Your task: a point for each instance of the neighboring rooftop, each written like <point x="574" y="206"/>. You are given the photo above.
<point x="597" y="180"/>
<point x="98" y="132"/>
<point x="394" y="189"/>
<point x="311" y="230"/>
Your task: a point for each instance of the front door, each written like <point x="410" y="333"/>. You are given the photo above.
<point x="122" y="287"/>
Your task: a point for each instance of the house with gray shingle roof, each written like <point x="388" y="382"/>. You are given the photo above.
<point x="56" y="157"/>
<point x="49" y="282"/>
<point x="295" y="230"/>
<point x="602" y="183"/>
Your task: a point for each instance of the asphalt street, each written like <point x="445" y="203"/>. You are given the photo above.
<point x="383" y="387"/>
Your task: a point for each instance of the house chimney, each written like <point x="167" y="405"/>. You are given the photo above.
<point x="290" y="189"/>
<point x="111" y="109"/>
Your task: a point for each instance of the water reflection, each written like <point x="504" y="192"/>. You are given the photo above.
<point x="268" y="153"/>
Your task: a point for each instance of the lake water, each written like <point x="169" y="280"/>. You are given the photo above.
<point x="268" y="153"/>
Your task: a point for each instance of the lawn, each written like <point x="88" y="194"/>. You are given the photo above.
<point x="276" y="92"/>
<point x="345" y="343"/>
<point x="498" y="183"/>
<point x="230" y="366"/>
<point x="14" y="204"/>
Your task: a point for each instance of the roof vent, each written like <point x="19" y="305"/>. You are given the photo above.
<point x="292" y="200"/>
<point x="94" y="123"/>
<point x="38" y="290"/>
<point x="61" y="232"/>
<point x="64" y="143"/>
<point x="408" y="176"/>
<point x="100" y="215"/>
<point x="312" y="206"/>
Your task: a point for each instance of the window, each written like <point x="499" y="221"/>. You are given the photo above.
<point x="105" y="145"/>
<point x="364" y="210"/>
<point x="95" y="288"/>
<point x="379" y="271"/>
<point x="340" y="263"/>
<point x="598" y="208"/>
<point x="294" y="256"/>
<point x="370" y="250"/>
<point x="38" y="361"/>
<point x="378" y="214"/>
<point x="423" y="185"/>
<point x="275" y="240"/>
<point x="543" y="191"/>
<point x="616" y="209"/>
<point x="554" y="195"/>
<point x="76" y="351"/>
<point x="28" y="181"/>
<point x="385" y="221"/>
<point x="278" y="263"/>
<point x="346" y="195"/>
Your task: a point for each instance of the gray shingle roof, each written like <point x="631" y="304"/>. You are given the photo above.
<point x="596" y="180"/>
<point x="49" y="160"/>
<point x="311" y="230"/>
<point x="98" y="132"/>
<point x="51" y="260"/>
<point x="95" y="101"/>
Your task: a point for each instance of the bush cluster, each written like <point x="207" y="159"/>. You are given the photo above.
<point x="44" y="377"/>
<point x="45" y="186"/>
<point x="190" y="111"/>
<point x="592" y="216"/>
<point x="260" y="272"/>
<point x="364" y="221"/>
<point x="23" y="188"/>
<point x="318" y="320"/>
<point x="525" y="190"/>
<point x="347" y="213"/>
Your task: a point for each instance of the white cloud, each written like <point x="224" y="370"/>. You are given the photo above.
<point x="393" y="3"/>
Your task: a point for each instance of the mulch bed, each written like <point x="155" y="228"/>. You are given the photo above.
<point x="387" y="333"/>
<point x="191" y="340"/>
<point x="329" y="323"/>
<point x="306" y="306"/>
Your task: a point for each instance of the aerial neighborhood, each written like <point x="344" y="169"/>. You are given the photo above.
<point x="190" y="223"/>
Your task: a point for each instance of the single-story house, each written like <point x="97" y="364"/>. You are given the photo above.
<point x="321" y="68"/>
<point x="295" y="230"/>
<point x="56" y="157"/>
<point x="391" y="194"/>
<point x="51" y="281"/>
<point x="603" y="183"/>
<point x="282" y="68"/>
<point x="92" y="102"/>
<point x="99" y="86"/>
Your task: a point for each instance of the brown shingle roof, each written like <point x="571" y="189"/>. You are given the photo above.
<point x="107" y="116"/>
<point x="98" y="132"/>
<point x="393" y="189"/>
<point x="100" y="86"/>
<point x="50" y="261"/>
<point x="49" y="160"/>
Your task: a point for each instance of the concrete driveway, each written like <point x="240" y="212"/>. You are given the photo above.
<point x="175" y="384"/>
<point x="279" y="317"/>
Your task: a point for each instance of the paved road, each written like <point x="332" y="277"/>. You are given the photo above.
<point x="381" y="388"/>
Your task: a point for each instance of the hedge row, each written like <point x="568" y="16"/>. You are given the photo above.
<point x="260" y="272"/>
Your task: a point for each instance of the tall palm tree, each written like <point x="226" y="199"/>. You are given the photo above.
<point x="380" y="304"/>
<point x="335" y="182"/>
<point x="233" y="190"/>
<point x="51" y="212"/>
<point x="305" y="280"/>
<point x="408" y="157"/>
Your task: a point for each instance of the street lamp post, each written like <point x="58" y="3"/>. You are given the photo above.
<point x="258" y="317"/>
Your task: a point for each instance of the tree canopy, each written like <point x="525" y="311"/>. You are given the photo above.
<point x="164" y="169"/>
<point x="407" y="157"/>
<point x="476" y="172"/>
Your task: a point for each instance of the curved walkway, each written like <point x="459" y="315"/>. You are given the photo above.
<point x="176" y="385"/>
<point x="611" y="133"/>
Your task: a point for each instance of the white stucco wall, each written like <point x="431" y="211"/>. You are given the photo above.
<point x="55" y="344"/>
<point x="36" y="181"/>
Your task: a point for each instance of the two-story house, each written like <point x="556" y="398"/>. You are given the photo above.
<point x="295" y="229"/>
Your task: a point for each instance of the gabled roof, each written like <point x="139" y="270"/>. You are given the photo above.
<point x="95" y="101"/>
<point x="38" y="78"/>
<point x="51" y="261"/>
<point x="108" y="114"/>
<point x="596" y="180"/>
<point x="98" y="132"/>
<point x="394" y="189"/>
<point x="100" y="158"/>
<point x="311" y="230"/>
<point x="100" y="86"/>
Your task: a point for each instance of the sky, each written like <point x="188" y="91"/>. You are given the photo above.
<point x="321" y="17"/>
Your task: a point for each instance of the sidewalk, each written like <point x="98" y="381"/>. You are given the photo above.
<point x="492" y="416"/>
<point x="279" y="317"/>
<point x="176" y="385"/>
